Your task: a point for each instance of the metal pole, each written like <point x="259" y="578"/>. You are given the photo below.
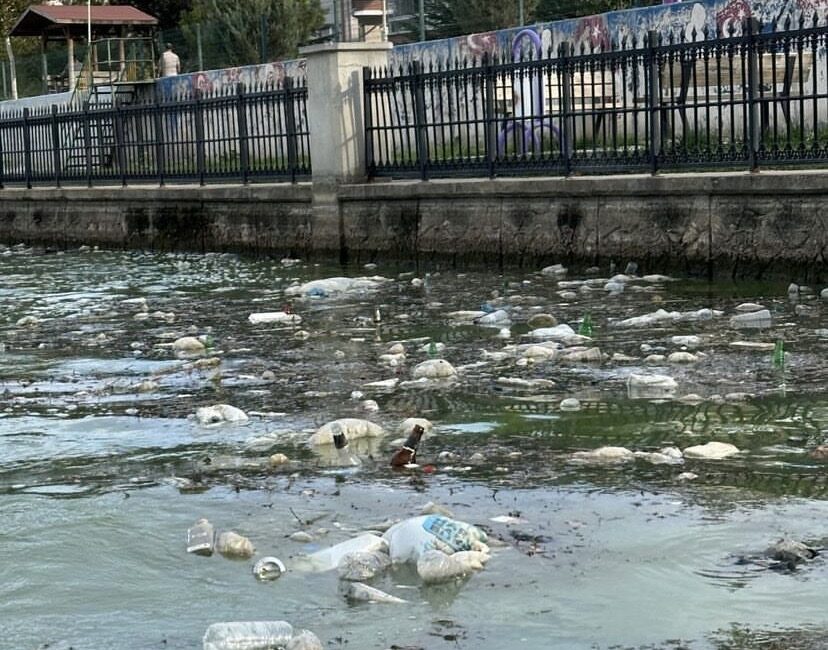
<point x="520" y="13"/>
<point x="263" y="28"/>
<point x="422" y="20"/>
<point x="44" y="65"/>
<point x="200" y="47"/>
<point x="654" y="98"/>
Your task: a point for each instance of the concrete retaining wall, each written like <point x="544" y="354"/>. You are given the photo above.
<point x="737" y="224"/>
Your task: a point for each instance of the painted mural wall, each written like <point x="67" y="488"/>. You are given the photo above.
<point x="266" y="75"/>
<point x="601" y="32"/>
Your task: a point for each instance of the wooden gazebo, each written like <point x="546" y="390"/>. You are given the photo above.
<point x="113" y="26"/>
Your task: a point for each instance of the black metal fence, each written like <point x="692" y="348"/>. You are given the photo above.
<point x="746" y="98"/>
<point x="119" y="137"/>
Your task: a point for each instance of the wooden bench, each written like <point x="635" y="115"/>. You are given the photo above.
<point x="726" y="75"/>
<point x="685" y="84"/>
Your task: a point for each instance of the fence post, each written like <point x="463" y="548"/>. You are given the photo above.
<point x="120" y="153"/>
<point x="653" y="98"/>
<point x="564" y="68"/>
<point x="370" y="162"/>
<point x="241" y="116"/>
<point x="56" y="144"/>
<point x="2" y="154"/>
<point x="27" y="148"/>
<point x="420" y="126"/>
<point x="290" y="125"/>
<point x="160" y="167"/>
<point x="489" y="117"/>
<point x="199" y="129"/>
<point x="87" y="142"/>
<point x="754" y="136"/>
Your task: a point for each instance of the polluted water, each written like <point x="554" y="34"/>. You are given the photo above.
<point x="605" y="458"/>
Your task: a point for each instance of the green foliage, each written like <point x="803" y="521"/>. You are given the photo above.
<point x="232" y="31"/>
<point x="168" y="12"/>
<point x="446" y="18"/>
<point x="549" y="10"/>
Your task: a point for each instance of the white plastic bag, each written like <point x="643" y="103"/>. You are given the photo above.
<point x="410" y="539"/>
<point x="329" y="558"/>
<point x="361" y="566"/>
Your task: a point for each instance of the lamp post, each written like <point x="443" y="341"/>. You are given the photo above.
<point x="520" y="13"/>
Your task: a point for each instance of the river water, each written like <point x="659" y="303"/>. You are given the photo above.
<point x="103" y="468"/>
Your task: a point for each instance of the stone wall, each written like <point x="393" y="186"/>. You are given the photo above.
<point x="737" y="224"/>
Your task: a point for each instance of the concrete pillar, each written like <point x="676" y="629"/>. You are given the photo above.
<point x="337" y="131"/>
<point x="335" y="107"/>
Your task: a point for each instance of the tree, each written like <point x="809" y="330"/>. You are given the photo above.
<point x="168" y="12"/>
<point x="446" y="18"/>
<point x="232" y="31"/>
<point x="558" y="9"/>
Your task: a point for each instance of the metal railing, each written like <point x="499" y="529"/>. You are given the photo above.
<point x="694" y="101"/>
<point x="258" y="134"/>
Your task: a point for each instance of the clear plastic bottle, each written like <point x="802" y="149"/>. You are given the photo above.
<point x="248" y="635"/>
<point x="344" y="457"/>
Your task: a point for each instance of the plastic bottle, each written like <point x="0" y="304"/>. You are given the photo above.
<point x="344" y="457"/>
<point x="407" y="454"/>
<point x="432" y="350"/>
<point x="586" y="325"/>
<point x="200" y="538"/>
<point x="247" y="635"/>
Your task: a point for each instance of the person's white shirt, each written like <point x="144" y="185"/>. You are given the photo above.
<point x="170" y="64"/>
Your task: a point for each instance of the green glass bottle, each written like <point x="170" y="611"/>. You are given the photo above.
<point x="586" y="325"/>
<point x="779" y="354"/>
<point x="432" y="349"/>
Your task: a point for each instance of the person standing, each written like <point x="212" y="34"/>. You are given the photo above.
<point x="169" y="64"/>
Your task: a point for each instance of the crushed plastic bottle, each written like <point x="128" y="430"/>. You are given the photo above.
<point x="201" y="538"/>
<point x="248" y="635"/>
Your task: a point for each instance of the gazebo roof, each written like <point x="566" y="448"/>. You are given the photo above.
<point x="40" y="20"/>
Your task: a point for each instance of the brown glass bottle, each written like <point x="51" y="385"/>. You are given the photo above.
<point x="408" y="452"/>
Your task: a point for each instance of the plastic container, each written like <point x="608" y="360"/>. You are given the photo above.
<point x="200" y="538"/>
<point x="248" y="635"/>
